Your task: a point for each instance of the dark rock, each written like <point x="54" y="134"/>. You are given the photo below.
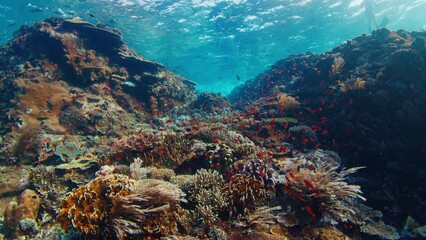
<point x="366" y="98"/>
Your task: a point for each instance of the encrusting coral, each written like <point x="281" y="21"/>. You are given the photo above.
<point x="20" y="216"/>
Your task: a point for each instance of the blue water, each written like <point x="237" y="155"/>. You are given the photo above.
<point x="221" y="43"/>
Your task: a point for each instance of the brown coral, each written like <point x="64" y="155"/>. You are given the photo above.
<point x="21" y="216"/>
<point x="115" y="206"/>
<point x="86" y="209"/>
<point x="160" y="149"/>
<point x="206" y="193"/>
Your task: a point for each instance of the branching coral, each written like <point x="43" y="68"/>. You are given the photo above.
<point x="206" y="193"/>
<point x="243" y="193"/>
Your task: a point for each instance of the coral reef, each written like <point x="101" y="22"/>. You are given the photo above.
<point x="363" y="99"/>
<point x="115" y="206"/>
<point x="119" y="147"/>
<point x="67" y="85"/>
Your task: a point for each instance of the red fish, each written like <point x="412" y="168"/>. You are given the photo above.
<point x="288" y="179"/>
<point x="309" y="184"/>
<point x="310" y="212"/>
<point x="310" y="167"/>
<point x="287" y="190"/>
<point x="317" y="195"/>
<point x="298" y="197"/>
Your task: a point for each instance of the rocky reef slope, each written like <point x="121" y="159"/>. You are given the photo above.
<point x="113" y="146"/>
<point x="365" y="99"/>
<point x="68" y="77"/>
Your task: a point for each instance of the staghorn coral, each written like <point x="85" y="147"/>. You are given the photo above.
<point x="205" y="191"/>
<point x="115" y="207"/>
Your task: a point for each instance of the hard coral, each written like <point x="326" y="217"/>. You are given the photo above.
<point x="21" y="216"/>
<point x="167" y="149"/>
<point x="244" y="193"/>
<point x="116" y="207"/>
<point x="206" y="193"/>
<point x="86" y="209"/>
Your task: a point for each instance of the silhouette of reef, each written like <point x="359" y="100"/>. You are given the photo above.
<point x="116" y="146"/>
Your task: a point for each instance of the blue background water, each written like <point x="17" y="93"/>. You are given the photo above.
<point x="221" y="43"/>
